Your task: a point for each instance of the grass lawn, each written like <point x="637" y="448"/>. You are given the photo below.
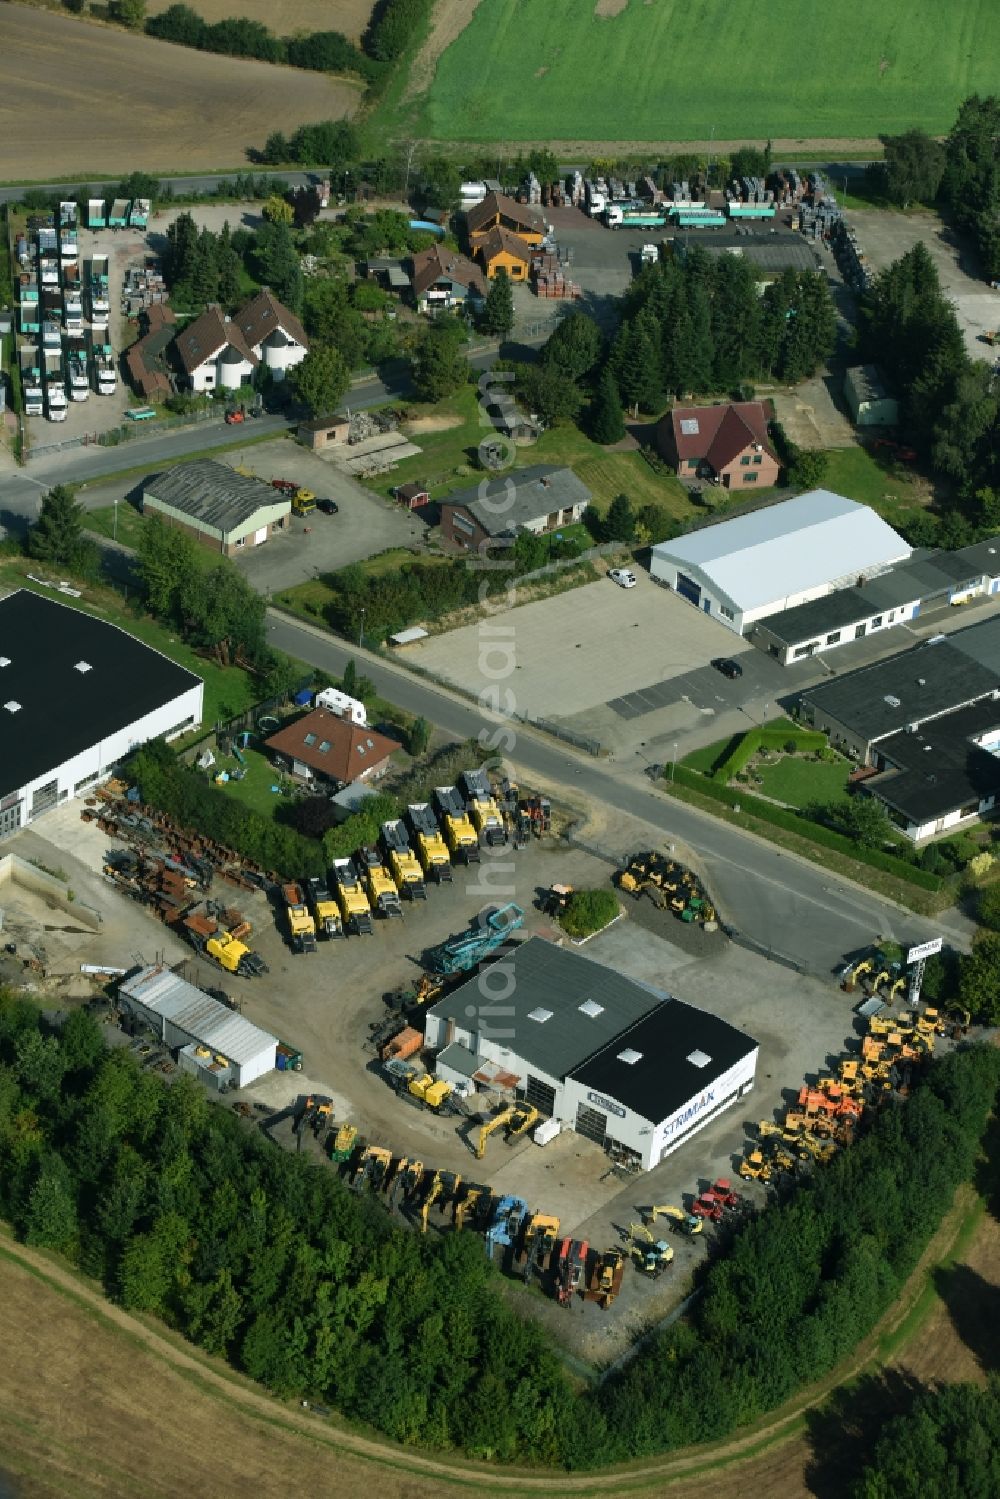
<point x="801" y="782"/>
<point x="255" y="789"/>
<point x="703" y="759"/>
<point x="228" y="689"/>
<point x="127" y="529"/>
<point x="448" y="457"/>
<point x="893" y="492"/>
<point x="514" y="73"/>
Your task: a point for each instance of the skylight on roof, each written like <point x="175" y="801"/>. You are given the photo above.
<point x="689" y="426"/>
<point x="12" y="706"/>
<point x="630" y="1056"/>
<point x="540" y="1014"/>
<point x="699" y="1059"/>
<point x="324" y="746"/>
<point x="83" y="666"/>
<point x="4" y="660"/>
<point x="892" y="700"/>
<point x="310" y="740"/>
<point x="592" y="1008"/>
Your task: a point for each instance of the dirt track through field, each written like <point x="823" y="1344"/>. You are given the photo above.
<point x="77" y="98"/>
<point x="447" y="24"/>
<point x="94" y="1401"/>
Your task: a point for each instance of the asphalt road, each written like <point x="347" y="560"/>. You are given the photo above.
<point x="792" y="909"/>
<point x="22" y="489"/>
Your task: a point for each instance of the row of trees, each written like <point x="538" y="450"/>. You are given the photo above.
<point x="700" y="325"/>
<point x="236" y="36"/>
<point x="165" y="782"/>
<point x="950" y="405"/>
<point x="963" y="174"/>
<point x="266" y="1259"/>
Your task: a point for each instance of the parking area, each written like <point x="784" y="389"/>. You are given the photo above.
<point x="365" y="524"/>
<point x="326" y="1004"/>
<point x="885" y="236"/>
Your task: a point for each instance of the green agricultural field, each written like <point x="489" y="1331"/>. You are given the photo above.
<point x="694" y="70"/>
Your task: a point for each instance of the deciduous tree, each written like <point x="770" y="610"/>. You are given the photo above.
<point x="321" y="379"/>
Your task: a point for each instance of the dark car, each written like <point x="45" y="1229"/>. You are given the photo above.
<point x="728" y="667"/>
<point x="328" y="507"/>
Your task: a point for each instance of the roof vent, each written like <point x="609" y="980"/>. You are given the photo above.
<point x="630" y="1057"/>
<point x="592" y="1008"/>
<point x="540" y="1014"/>
<point x="699" y="1059"/>
<point x="921" y="681"/>
<point x="12" y="706"/>
<point x="4" y="660"/>
<point x="894" y="702"/>
<point x="83" y="666"/>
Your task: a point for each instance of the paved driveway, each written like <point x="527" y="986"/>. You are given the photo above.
<point x="586" y="648"/>
<point x="364" y="526"/>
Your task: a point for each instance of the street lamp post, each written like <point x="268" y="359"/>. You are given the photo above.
<point x="673" y="763"/>
<point x="114" y="530"/>
<point x="361" y="632"/>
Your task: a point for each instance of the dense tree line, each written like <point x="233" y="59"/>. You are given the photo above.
<point x="267" y="1260"/>
<point x="389" y="601"/>
<point x="948" y="1445"/>
<point x="970" y="187"/>
<point x="699" y="325"/>
<point x="949" y="404"/>
<point x="805" y="1282"/>
<point x="393" y="28"/>
<point x="262" y="1257"/>
<point x="321" y="51"/>
<point x="165" y="782"/>
<point x="202" y="266"/>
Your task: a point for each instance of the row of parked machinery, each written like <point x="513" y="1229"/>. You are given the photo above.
<point x="827" y="1115"/>
<point x="413" y="851"/>
<point x="668" y="885"/>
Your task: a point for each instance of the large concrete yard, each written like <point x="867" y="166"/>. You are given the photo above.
<point x="325" y="1005"/>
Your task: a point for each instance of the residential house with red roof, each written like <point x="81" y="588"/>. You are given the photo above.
<point x="727" y="444"/>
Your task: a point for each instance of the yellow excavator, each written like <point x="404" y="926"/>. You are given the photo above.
<point x="754" y="1168"/>
<point x="648" y="1254"/>
<point x="852" y="975"/>
<point x="515" y="1120"/>
<point x="473" y="1204"/>
<point x="686" y="1222"/>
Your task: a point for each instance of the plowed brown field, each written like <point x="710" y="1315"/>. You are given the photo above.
<point x="97" y="1403"/>
<point x="79" y="99"/>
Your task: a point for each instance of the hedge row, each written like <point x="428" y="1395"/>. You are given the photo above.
<point x="814" y="831"/>
<point x="741" y="750"/>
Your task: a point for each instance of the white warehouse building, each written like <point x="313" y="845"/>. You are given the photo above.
<point x="76" y="696"/>
<point x="225" y="1049"/>
<point x="635" y="1071"/>
<point x="742" y="570"/>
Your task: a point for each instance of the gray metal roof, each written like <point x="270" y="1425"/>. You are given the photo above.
<point x="814" y="540"/>
<point x="770" y="254"/>
<point x="982" y="559"/>
<point x="544" y="979"/>
<point x="916" y="685"/>
<point x="214" y="494"/>
<point x="459" y="1058"/>
<point x="866" y="383"/>
<point x="980" y="643"/>
<point x="921" y="578"/>
<point x="527" y="494"/>
<point x="158" y="988"/>
<point x="940" y="768"/>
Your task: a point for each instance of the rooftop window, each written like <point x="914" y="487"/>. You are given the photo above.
<point x="540" y="1015"/>
<point x="699" y="1059"/>
<point x="310" y="740"/>
<point x="629" y="1056"/>
<point x="592" y="1008"/>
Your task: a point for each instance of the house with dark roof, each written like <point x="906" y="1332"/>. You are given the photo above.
<point x="272" y="333"/>
<point x="727" y="444"/>
<point x="322" y="745"/>
<point x="212" y="353"/>
<point x="77" y="695"/>
<point x="626" y="1066"/>
<point x="862" y="709"/>
<point x="502" y="250"/>
<point x="941" y="774"/>
<point x="220" y="508"/>
<point x="442" y="280"/>
<point x="497" y="211"/>
<point x="146" y="360"/>
<point x="537" y="499"/>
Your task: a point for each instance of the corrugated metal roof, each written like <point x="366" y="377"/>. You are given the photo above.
<point x="215" y="496"/>
<point x="159" y="989"/>
<point x="817" y="539"/>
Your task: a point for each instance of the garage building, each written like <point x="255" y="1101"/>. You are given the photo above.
<point x="220" y="508"/>
<point x="76" y="696"/>
<point x="191" y="1022"/>
<point x="742" y="570"/>
<point x="636" y="1071"/>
